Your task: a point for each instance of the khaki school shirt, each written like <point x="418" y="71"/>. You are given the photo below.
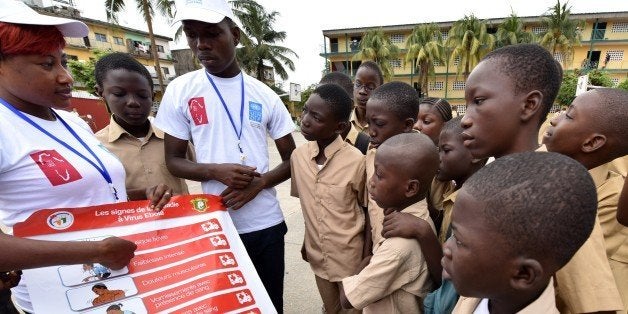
<point x="352" y="136"/>
<point x="544" y="304"/>
<point x="358" y="127"/>
<point x="144" y="161"/>
<point x="437" y="193"/>
<point x="331" y="200"/>
<point x="620" y="165"/>
<point x="448" y="207"/>
<point x="609" y="184"/>
<point x="396" y="279"/>
<point x="376" y="213"/>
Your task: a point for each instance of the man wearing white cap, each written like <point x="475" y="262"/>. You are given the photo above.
<point x="228" y="116"/>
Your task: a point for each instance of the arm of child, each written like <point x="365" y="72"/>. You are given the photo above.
<point x="404" y="225"/>
<point x="230" y="174"/>
<point x="622" y="207"/>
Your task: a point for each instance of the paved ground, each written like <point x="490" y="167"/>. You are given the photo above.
<point x="300" y="292"/>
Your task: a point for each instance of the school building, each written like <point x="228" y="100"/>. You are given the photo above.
<point x="603" y="45"/>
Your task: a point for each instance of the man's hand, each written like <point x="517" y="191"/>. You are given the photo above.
<point x="115" y="253"/>
<point x="159" y="196"/>
<point x="9" y="279"/>
<point x="403" y="225"/>
<point x="234" y="176"/>
<point x="236" y="198"/>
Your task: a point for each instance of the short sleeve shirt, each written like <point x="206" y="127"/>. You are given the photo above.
<point x="544" y="304"/>
<point x="191" y="110"/>
<point x="331" y="199"/>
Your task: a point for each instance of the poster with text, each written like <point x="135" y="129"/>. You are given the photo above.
<point x="189" y="259"/>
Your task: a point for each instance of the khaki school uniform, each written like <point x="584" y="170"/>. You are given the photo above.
<point x="448" y="207"/>
<point x="438" y="191"/>
<point x="609" y="184"/>
<point x="144" y="160"/>
<point x="352" y="136"/>
<point x="620" y="165"/>
<point x="331" y="199"/>
<point x="376" y="213"/>
<point x="396" y="279"/>
<point x="544" y="304"/>
<point x="356" y="124"/>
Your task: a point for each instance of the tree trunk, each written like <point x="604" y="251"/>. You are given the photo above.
<point x="153" y="46"/>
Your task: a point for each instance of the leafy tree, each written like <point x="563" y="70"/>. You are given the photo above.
<point x="424" y="46"/>
<point x="567" y="92"/>
<point x="562" y="32"/>
<point x="623" y="85"/>
<point x="512" y="31"/>
<point x="83" y="72"/>
<point x="376" y="46"/>
<point x="146" y="9"/>
<point x="260" y="44"/>
<point x="469" y="42"/>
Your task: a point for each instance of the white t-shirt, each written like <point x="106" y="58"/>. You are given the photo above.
<point x="36" y="172"/>
<point x="191" y="110"/>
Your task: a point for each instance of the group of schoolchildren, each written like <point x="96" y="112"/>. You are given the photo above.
<point x="468" y="214"/>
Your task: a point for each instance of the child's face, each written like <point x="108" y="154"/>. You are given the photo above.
<point x="455" y="159"/>
<point x="386" y="185"/>
<point x="128" y="95"/>
<point x="568" y="131"/>
<point x="429" y="122"/>
<point x="366" y="80"/>
<point x="383" y="124"/>
<point x="474" y="257"/>
<point x="318" y="121"/>
<point x="491" y="121"/>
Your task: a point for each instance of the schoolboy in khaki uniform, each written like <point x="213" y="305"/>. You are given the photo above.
<point x="368" y="77"/>
<point x="506" y="225"/>
<point x="508" y="95"/>
<point x="396" y="277"/>
<point x="328" y="177"/>
<point x="593" y="132"/>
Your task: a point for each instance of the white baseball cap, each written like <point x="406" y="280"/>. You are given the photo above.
<point x="208" y="11"/>
<point x="17" y="12"/>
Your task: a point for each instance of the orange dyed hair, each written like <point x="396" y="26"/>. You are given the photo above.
<point x="22" y="39"/>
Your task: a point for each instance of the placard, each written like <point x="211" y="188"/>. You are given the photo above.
<point x="189" y="259"/>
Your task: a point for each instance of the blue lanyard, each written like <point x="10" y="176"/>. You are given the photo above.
<point x="224" y="105"/>
<point x="103" y="171"/>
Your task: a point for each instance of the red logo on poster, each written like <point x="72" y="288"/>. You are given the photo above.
<point x="197" y="110"/>
<point x="56" y="168"/>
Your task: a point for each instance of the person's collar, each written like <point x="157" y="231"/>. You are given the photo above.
<point x="116" y="131"/>
<point x="599" y="174"/>
<point x="330" y="150"/>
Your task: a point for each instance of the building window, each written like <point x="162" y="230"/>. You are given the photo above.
<point x="558" y="57"/>
<point x="458" y="85"/>
<point x="537" y="30"/>
<point x="72" y="57"/>
<point x="118" y="41"/>
<point x="395" y="63"/>
<point x="436" y="63"/>
<point x="615" y="81"/>
<point x="444" y="35"/>
<point x="620" y="27"/>
<point x="457" y="60"/>
<point x="396" y="38"/>
<point x="615" y="55"/>
<point x="165" y="70"/>
<point x="160" y="48"/>
<point x="101" y="37"/>
<point x="462" y="109"/>
<point x="436" y="85"/>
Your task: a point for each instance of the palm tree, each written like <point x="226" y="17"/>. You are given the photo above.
<point x="424" y="47"/>
<point x="376" y="46"/>
<point x="512" y="31"/>
<point x="146" y="8"/>
<point x="469" y="42"/>
<point x="562" y="33"/>
<point x="259" y="44"/>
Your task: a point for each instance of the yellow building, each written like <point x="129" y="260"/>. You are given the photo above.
<point x="108" y="36"/>
<point x="605" y="35"/>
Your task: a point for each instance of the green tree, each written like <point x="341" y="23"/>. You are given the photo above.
<point x="562" y="33"/>
<point x="512" y="31"/>
<point x="376" y="46"/>
<point x="146" y="9"/>
<point x="469" y="42"/>
<point x="567" y="91"/>
<point x="260" y="44"/>
<point x="424" y="47"/>
<point x="83" y="71"/>
<point x="623" y="85"/>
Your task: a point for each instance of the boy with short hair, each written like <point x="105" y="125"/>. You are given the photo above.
<point x="508" y="95"/>
<point x="328" y="177"/>
<point x="593" y="131"/>
<point x="506" y="226"/>
<point x="397" y="277"/>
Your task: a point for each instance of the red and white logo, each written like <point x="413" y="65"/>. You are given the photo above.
<point x="197" y="110"/>
<point x="56" y="168"/>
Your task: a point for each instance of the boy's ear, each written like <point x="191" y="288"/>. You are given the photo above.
<point x="341" y="127"/>
<point x="412" y="188"/>
<point x="593" y="143"/>
<point x="532" y="105"/>
<point x="99" y="90"/>
<point x="527" y="273"/>
<point x="408" y="124"/>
